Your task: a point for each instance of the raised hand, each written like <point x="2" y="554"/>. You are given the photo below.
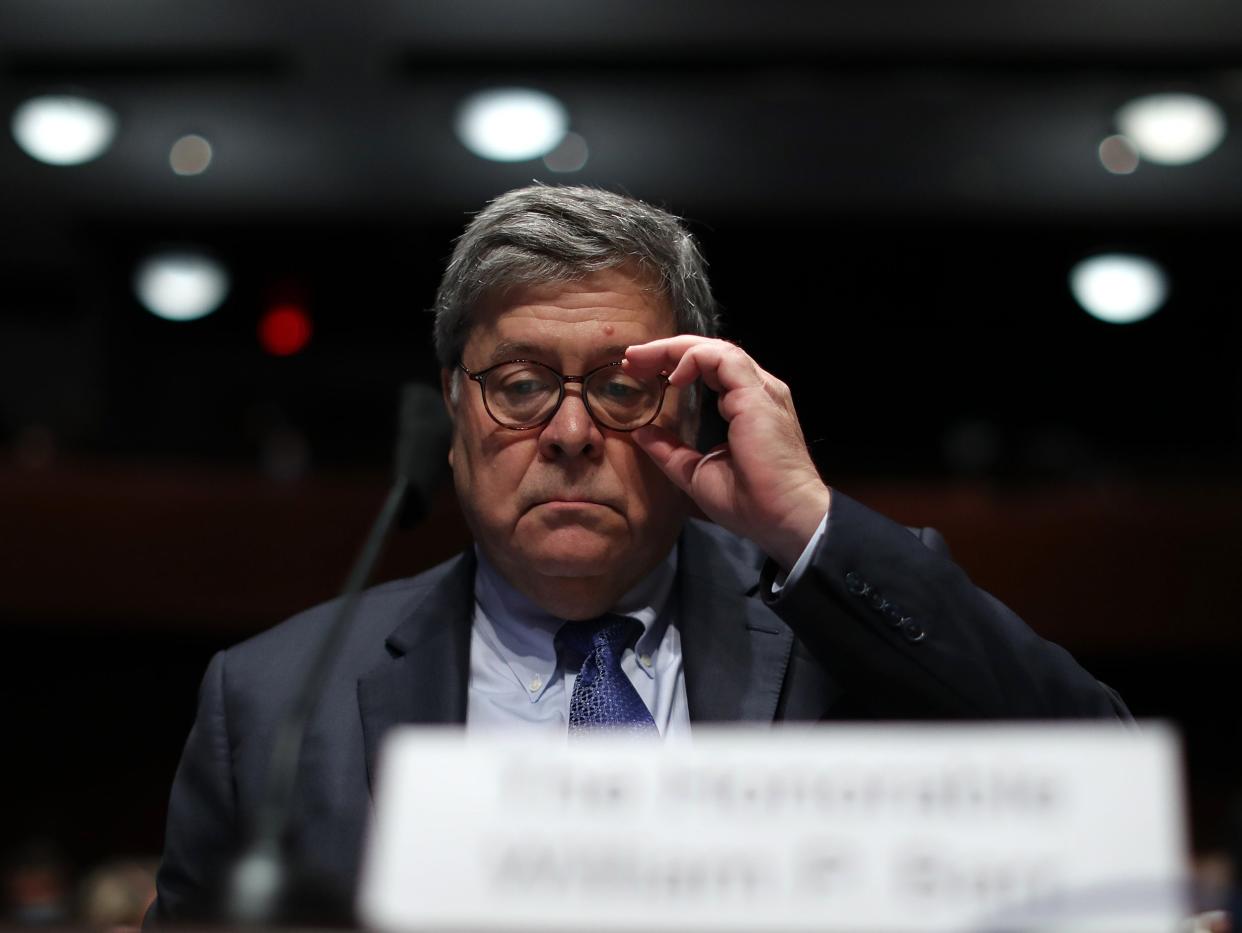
<point x="761" y="484"/>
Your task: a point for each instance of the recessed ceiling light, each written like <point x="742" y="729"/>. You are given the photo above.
<point x="181" y="286"/>
<point x="1172" y="129"/>
<point x="1118" y="155"/>
<point x="1119" y="288"/>
<point x="63" y="130"/>
<point x="511" y="124"/>
<point x="570" y="156"/>
<point x="190" y="155"/>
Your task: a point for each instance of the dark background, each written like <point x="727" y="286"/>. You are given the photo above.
<point x="890" y="197"/>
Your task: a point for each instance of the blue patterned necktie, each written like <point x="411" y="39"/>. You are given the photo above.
<point x="603" y="696"/>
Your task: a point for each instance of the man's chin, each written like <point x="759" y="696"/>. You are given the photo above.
<point x="572" y="542"/>
<point x="576" y="552"/>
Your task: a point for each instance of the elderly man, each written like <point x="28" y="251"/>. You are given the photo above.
<point x="573" y="328"/>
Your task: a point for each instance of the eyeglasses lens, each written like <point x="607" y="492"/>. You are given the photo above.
<point x="521" y="395"/>
<point x="621" y="401"/>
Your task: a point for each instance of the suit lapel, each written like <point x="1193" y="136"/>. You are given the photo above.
<point x="426" y="676"/>
<point x="734" y="650"/>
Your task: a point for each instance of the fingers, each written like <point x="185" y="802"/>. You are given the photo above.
<point x="662" y="354"/>
<point x="676" y="459"/>
<point x="721" y="365"/>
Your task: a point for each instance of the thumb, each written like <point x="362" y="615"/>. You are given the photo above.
<point x="678" y="460"/>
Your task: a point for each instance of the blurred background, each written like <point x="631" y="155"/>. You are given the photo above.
<point x="993" y="248"/>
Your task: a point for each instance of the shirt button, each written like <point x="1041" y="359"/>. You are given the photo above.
<point x="644" y="660"/>
<point x="536" y="684"/>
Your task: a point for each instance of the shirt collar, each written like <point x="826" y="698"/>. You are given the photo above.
<point x="521" y="633"/>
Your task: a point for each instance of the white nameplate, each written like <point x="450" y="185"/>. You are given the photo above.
<point x="1057" y="827"/>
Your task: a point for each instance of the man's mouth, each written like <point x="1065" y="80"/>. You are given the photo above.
<point x="572" y="502"/>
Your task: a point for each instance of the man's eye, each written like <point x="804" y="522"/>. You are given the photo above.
<point x="619" y="390"/>
<point x="525" y="387"/>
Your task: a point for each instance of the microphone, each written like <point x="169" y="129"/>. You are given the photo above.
<point x="423" y="437"/>
<point x="265" y="886"/>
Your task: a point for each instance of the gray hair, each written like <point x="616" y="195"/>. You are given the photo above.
<point x="556" y="234"/>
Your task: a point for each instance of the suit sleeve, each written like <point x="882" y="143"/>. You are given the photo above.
<point x="902" y="627"/>
<point x="200" y="838"/>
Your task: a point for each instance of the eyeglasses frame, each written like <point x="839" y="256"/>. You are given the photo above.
<point x="481" y="375"/>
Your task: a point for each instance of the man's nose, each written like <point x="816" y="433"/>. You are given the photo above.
<point x="572" y="432"/>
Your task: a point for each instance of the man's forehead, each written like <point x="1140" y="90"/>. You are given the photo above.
<point x="602" y="314"/>
<point x="627" y="275"/>
<point x="607" y="288"/>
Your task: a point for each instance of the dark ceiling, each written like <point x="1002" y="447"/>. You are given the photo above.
<point x="901" y="186"/>
<point x="726" y="106"/>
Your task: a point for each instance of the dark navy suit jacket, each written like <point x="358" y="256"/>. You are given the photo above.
<point x="882" y="625"/>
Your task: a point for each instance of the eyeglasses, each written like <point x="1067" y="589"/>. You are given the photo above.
<point x="523" y="394"/>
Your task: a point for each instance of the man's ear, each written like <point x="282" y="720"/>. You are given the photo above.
<point x="447" y="391"/>
<point x="448" y="383"/>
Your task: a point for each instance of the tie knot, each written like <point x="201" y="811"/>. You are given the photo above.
<point x="608" y="635"/>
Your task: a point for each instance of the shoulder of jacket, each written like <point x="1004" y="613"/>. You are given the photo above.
<point x="380" y="609"/>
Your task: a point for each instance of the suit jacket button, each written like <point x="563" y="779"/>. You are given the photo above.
<point x="854" y="583"/>
<point x="876" y="600"/>
<point x="892" y="613"/>
<point x="912" y="630"/>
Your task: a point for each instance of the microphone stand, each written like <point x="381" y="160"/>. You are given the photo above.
<point x="265" y="887"/>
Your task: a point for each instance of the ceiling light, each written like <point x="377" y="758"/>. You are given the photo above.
<point x="63" y="130"/>
<point x="1118" y="155"/>
<point x="190" y="155"/>
<point x="1172" y="129"/>
<point x="1119" y="288"/>
<point x="570" y="156"/>
<point x="181" y="286"/>
<point x="511" y="124"/>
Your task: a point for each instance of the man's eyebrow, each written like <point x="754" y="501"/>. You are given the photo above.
<point x="511" y="350"/>
<point x="608" y="354"/>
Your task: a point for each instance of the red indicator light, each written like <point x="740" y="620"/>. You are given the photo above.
<point x="284" y="330"/>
